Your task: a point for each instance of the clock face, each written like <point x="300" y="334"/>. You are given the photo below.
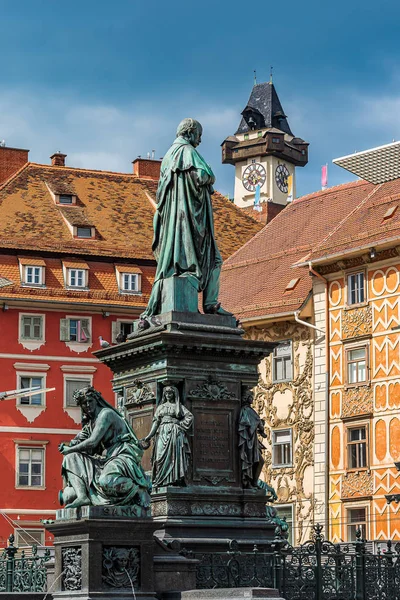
<point x="281" y="178"/>
<point x="253" y="175"/>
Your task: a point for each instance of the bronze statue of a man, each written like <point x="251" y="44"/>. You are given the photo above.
<point x="184" y="243"/>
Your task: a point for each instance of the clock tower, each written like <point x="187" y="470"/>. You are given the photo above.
<point x="264" y="151"/>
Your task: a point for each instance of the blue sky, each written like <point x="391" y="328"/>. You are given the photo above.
<point x="107" y="81"/>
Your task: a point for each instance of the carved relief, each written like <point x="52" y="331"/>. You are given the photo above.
<point x="138" y="393"/>
<point x="71" y="560"/>
<point x="356" y="322"/>
<point x="212" y="390"/>
<point x="356" y="485"/>
<point x="357" y="401"/>
<point x="289" y="481"/>
<point x="214" y="509"/>
<point x="120" y="567"/>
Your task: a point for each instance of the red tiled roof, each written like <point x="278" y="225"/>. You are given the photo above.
<point x="116" y="204"/>
<point x="254" y="279"/>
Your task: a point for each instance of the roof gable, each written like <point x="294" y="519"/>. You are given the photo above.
<point x="264" y="102"/>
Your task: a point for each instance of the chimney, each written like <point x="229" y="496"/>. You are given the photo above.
<point x="146" y="168"/>
<point x="11" y="160"/>
<point x="58" y="159"/>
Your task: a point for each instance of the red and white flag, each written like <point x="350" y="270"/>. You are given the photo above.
<point x="324" y="177"/>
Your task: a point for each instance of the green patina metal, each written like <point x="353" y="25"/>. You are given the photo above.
<point x="21" y="573"/>
<point x="184" y="243"/>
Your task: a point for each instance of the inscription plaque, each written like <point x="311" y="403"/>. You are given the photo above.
<point x="213" y="442"/>
<point x="140" y="421"/>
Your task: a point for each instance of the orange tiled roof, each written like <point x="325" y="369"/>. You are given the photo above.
<point x="366" y="226"/>
<point x="116" y="204"/>
<point x="255" y="278"/>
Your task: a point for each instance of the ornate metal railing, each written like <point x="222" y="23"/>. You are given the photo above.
<point x="317" y="570"/>
<point x="22" y="573"/>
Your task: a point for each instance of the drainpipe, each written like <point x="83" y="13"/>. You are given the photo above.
<point x="316" y="274"/>
<point x="296" y="318"/>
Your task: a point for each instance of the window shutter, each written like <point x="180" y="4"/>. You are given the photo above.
<point x="85" y="330"/>
<point x="64" y="330"/>
<point x="115" y="329"/>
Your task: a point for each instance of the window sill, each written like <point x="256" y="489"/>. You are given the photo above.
<point x="357" y="471"/>
<point x="282" y="381"/>
<point x="33" y="285"/>
<point x="31" y="411"/>
<point x="30" y="487"/>
<point x="289" y="466"/>
<point x="360" y="384"/>
<point x="130" y="293"/>
<point x="77" y="288"/>
<point x="79" y="347"/>
<point x="31" y="344"/>
<point x="359" y="305"/>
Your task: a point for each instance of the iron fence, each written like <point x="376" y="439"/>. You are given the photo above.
<point x="316" y="570"/>
<point x="22" y="573"/>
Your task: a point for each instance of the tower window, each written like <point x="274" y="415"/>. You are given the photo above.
<point x="276" y="140"/>
<point x="65" y="199"/>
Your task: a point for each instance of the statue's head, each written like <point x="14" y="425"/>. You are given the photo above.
<point x="121" y="559"/>
<point x="87" y="398"/>
<point x="247" y="396"/>
<point x="170" y="394"/>
<point x="191" y="130"/>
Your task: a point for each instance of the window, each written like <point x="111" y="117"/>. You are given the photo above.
<point x="84" y="232"/>
<point x="282" y="448"/>
<point x="129" y="282"/>
<point x="31" y="327"/>
<point x="356" y="519"/>
<point x="30" y="469"/>
<point x="357" y="447"/>
<point x="355" y="288"/>
<point x="282" y="362"/>
<point x="286" y="513"/>
<point x="27" y="537"/>
<point x="117" y="327"/>
<point x="75" y="330"/>
<point x="259" y="134"/>
<point x="29" y="382"/>
<point x="71" y="385"/>
<point x="246" y="136"/>
<point x="65" y="199"/>
<point x="276" y="140"/>
<point x="356" y="365"/>
<point x="33" y="275"/>
<point x="77" y="278"/>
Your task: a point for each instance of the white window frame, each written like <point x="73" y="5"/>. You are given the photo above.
<point x="121" y="282"/>
<point x="86" y="237"/>
<point x="22" y="537"/>
<point x="352" y="506"/>
<point x="276" y="465"/>
<point x="76" y="271"/>
<point x="30" y="446"/>
<point x="73" y="377"/>
<point x="77" y="346"/>
<point x="357" y="289"/>
<point x="27" y="283"/>
<point x="116" y="328"/>
<point x="349" y="348"/>
<point x="366" y="441"/>
<point x="275" y="358"/>
<point x="291" y="508"/>
<point x="31" y="374"/>
<point x="58" y="196"/>
<point x="21" y="336"/>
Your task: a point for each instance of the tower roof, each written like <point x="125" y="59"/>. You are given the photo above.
<point x="264" y="108"/>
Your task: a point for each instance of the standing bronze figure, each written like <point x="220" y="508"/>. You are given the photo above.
<point x="250" y="427"/>
<point x="184" y="243"/>
<point x="102" y="464"/>
<point x="172" y="423"/>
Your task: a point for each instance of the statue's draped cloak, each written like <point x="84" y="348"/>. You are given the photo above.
<point x="121" y="457"/>
<point x="249" y="445"/>
<point x="183" y="241"/>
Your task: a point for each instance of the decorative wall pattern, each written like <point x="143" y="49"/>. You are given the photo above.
<point x="290" y="404"/>
<point x="357" y="401"/>
<point x="356" y="322"/>
<point x="357" y="485"/>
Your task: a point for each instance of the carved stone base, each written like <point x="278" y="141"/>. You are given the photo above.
<point x="204" y="520"/>
<point x="106" y="556"/>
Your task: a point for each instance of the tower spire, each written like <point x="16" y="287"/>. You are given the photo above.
<point x="270" y="74"/>
<point x="255" y="77"/>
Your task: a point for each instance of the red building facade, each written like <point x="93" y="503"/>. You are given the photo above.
<point x="75" y="265"/>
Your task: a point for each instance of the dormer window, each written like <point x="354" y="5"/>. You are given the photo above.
<point x="276" y="140"/>
<point x="34" y="275"/>
<point x="32" y="272"/>
<point x="129" y="279"/>
<point x="76" y="275"/>
<point x="76" y="278"/>
<point x="65" y="199"/>
<point x="84" y="232"/>
<point x="130" y="282"/>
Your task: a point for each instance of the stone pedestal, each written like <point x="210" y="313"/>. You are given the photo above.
<point x="100" y="552"/>
<point x="206" y="357"/>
